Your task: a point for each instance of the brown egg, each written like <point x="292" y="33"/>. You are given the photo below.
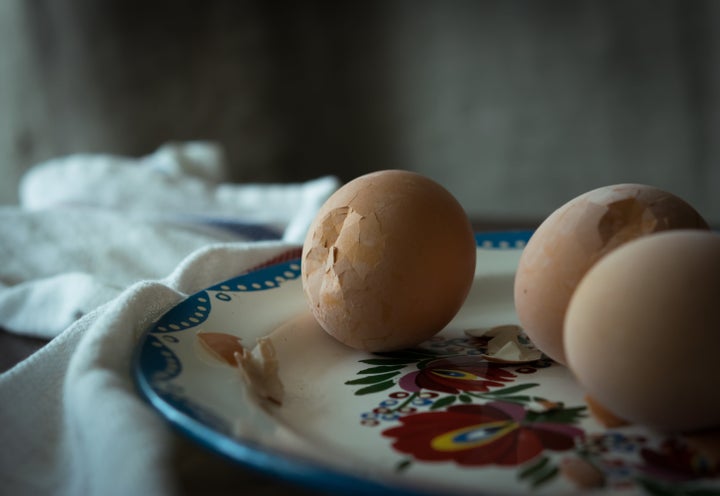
<point x="388" y="261"/>
<point x="642" y="331"/>
<point x="576" y="236"/>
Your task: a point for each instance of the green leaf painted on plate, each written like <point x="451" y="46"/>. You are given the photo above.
<point x="372" y="379"/>
<point x="511" y="389"/>
<point x="465" y="398"/>
<point x="560" y="415"/>
<point x="539" y="473"/>
<point x="545" y="476"/>
<point x="521" y="399"/>
<point x="375" y="388"/>
<point x="658" y="488"/>
<point x="403" y="465"/>
<point x="443" y="402"/>
<point x="382" y="369"/>
<point x="535" y="467"/>
<point x="424" y="363"/>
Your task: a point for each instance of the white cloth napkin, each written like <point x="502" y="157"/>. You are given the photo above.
<point x="90" y="225"/>
<point x="100" y="247"/>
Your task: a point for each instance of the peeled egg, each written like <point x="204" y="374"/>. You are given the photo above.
<point x="388" y="261"/>
<point x="576" y="236"/>
<point x="642" y="331"/>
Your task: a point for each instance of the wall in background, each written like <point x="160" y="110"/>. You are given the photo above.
<point x="515" y="106"/>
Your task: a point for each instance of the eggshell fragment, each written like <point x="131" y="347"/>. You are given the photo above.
<point x="582" y="473"/>
<point x="388" y="261"/>
<point x="506" y="344"/>
<point x="576" y="236"/>
<point x="642" y="331"/>
<point x="222" y="346"/>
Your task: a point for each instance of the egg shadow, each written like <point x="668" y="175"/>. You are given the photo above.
<point x="489" y="302"/>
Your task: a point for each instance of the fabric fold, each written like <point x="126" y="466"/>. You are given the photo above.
<point x="73" y="422"/>
<point x="101" y="247"/>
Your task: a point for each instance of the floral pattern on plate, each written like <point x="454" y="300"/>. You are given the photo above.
<point x="446" y="404"/>
<point x="439" y="417"/>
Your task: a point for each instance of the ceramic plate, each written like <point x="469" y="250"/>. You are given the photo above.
<point x="447" y="417"/>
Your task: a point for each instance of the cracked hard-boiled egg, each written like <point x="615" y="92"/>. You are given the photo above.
<point x="573" y="238"/>
<point x="388" y="261"/>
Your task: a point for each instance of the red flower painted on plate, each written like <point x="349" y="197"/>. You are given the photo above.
<point x="456" y="374"/>
<point x="496" y="433"/>
<point x="677" y="460"/>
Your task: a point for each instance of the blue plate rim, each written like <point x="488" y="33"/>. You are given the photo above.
<point x="272" y="461"/>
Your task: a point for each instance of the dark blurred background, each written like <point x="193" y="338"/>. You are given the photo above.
<point x="515" y="106"/>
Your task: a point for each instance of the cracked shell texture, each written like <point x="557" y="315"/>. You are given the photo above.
<point x="388" y="261"/>
<point x="573" y="238"/>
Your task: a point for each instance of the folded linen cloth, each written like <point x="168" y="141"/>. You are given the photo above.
<point x="90" y="225"/>
<point x="178" y="183"/>
<point x="94" y="278"/>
